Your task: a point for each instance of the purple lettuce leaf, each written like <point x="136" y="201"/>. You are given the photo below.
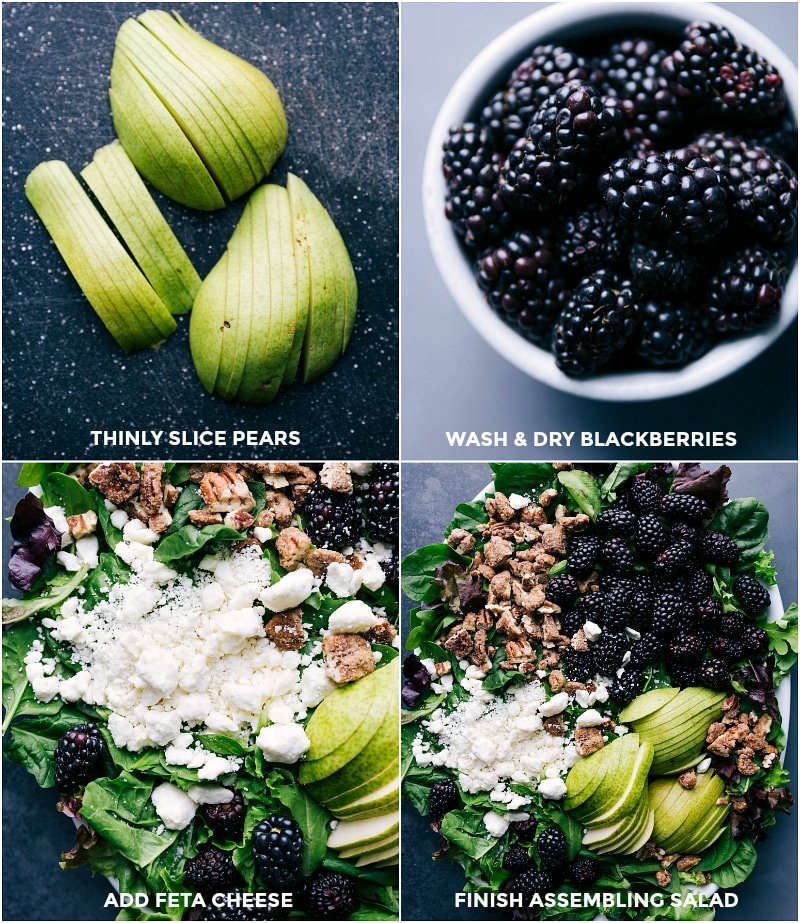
<point x="36" y="541"/>
<point x="700" y="482"/>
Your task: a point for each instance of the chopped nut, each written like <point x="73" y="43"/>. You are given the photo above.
<point x="533" y="516"/>
<point x="336" y="477"/>
<point x="265" y="518"/>
<point x="519" y="651"/>
<point x="347" y="657"/>
<point x="382" y="632"/>
<point x="667" y="861"/>
<point x="557" y="680"/>
<point x="688" y="779"/>
<point x="318" y="559"/>
<point x="161" y="521"/>
<point x="744" y="762"/>
<point x="462" y="541"/>
<point x="292" y="545"/>
<point x="479" y="655"/>
<point x="497" y="552"/>
<point x="499" y="508"/>
<point x="171" y="495"/>
<point x="739" y="804"/>
<point x="83" y="524"/>
<point x="588" y="740"/>
<point x="460" y="643"/>
<point x="547" y="496"/>
<point x="663" y="878"/>
<point x="151" y="493"/>
<point x="117" y="481"/>
<point x="226" y="491"/>
<point x="239" y="520"/>
<point x="555" y="540"/>
<point x="686" y="863"/>
<point x="204" y="517"/>
<point x="555" y="725"/>
<point x="286" y="630"/>
<point x="443" y="668"/>
<point x="281" y="508"/>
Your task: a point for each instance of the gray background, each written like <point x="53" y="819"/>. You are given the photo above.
<point x="430" y="495"/>
<point x="336" y="68"/>
<point x="453" y="380"/>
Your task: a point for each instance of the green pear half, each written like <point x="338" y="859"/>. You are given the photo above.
<point x="689" y="702"/>
<point x="618" y="835"/>
<point x="349" y="783"/>
<point x="648" y="703"/>
<point x="676" y="807"/>
<point x="389" y="856"/>
<point x="630" y="796"/>
<point x="385" y="799"/>
<point x="129" y="206"/>
<point x="386" y="843"/>
<point x="618" y="757"/>
<point x="113" y="284"/>
<point x="350" y="833"/>
<point x="203" y="99"/>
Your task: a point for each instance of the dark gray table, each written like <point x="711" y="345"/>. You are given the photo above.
<point x="430" y="494"/>
<point x="336" y="68"/>
<point x="453" y="380"/>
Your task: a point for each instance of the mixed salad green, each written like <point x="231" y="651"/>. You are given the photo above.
<point x="634" y="601"/>
<point x="120" y="832"/>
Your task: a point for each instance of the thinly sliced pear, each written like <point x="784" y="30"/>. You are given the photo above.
<point x="352" y="851"/>
<point x="209" y="324"/>
<point x="302" y="262"/>
<point x="364" y="832"/>
<point x="124" y="197"/>
<point x="248" y="95"/>
<point x="114" y="286"/>
<point x="333" y="299"/>
<point x="647" y="704"/>
<point x="155" y="142"/>
<point x="386" y="855"/>
<point x="338" y="789"/>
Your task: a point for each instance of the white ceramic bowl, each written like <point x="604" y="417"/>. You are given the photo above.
<point x="565" y="23"/>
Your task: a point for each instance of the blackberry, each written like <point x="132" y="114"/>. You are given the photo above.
<point x="647" y="651"/>
<point x="625" y="689"/>
<point x="650" y="537"/>
<point x="530" y="883"/>
<point x="226" y="820"/>
<point x="562" y="590"/>
<point x="608" y="651"/>
<point x="763" y="188"/>
<point x="643" y="583"/>
<point x="617" y="609"/>
<point x="751" y="595"/>
<point x="391" y="571"/>
<point x="571" y="131"/>
<point x="642" y="605"/>
<point x="733" y="625"/>
<point x="777" y="137"/>
<point x="517" y="859"/>
<point x="582" y="555"/>
<point x="734" y="81"/>
<point x="571" y="622"/>
<point x="683" y="675"/>
<point x="332" y="518"/>
<point x="616" y="556"/>
<point x="592" y="608"/>
<point x="521" y="279"/>
<point x="585" y="872"/>
<point x="632" y="74"/>
<point x="685" y="649"/>
<point x="685" y="531"/>
<point x="754" y="640"/>
<point x="658" y="270"/>
<point x="595" y="324"/>
<point x="616" y="523"/>
<point x="677" y="559"/>
<point x="681" y="198"/>
<point x="746" y="290"/>
<point x="684" y="508"/>
<point x="671" y="333"/>
<point x="508" y="113"/>
<point x="643" y="496"/>
<point x="700" y="585"/>
<point x="525" y="829"/>
<point x="330" y="896"/>
<point x="713" y="674"/>
<point x="211" y="870"/>
<point x="471" y="169"/>
<point x="278" y="851"/>
<point x="578" y="665"/>
<point x="443" y="797"/>
<point x="230" y="908"/>
<point x="672" y="586"/>
<point x="610" y="582"/>
<point x="709" y="615"/>
<point x="718" y="549"/>
<point x="727" y="649"/>
<point x="590" y="240"/>
<point x="552" y="847"/>
<point x="380" y="498"/>
<point x="670" y="614"/>
<point x="78" y="758"/>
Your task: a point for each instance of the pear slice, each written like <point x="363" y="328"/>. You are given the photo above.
<point x="384" y="799"/>
<point x="349" y="783"/>
<point x="129" y="206"/>
<point x="647" y="704"/>
<point x="352" y="851"/>
<point x="302" y="262"/>
<point x="333" y="295"/>
<point x="384" y="856"/>
<point x="632" y="793"/>
<point x="155" y="142"/>
<point x="339" y="716"/>
<point x="114" y="286"/>
<point x="625" y="751"/>
<point x="364" y="832"/>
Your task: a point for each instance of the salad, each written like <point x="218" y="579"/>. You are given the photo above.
<point x="592" y="706"/>
<point x="203" y="665"/>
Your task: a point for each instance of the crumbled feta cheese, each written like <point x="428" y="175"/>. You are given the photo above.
<point x="554" y="705"/>
<point x="213" y="596"/>
<point x="517" y="501"/>
<point x="74" y="687"/>
<point x="590" y="718"/>
<point x="68" y="561"/>
<point x="314" y="686"/>
<point x="262" y="534"/>
<point x="289" y="591"/>
<point x="496" y="824"/>
<point x="552" y="789"/>
<point x="283" y="743"/>
<point x="601" y="693"/>
<point x="633" y="634"/>
<point x="136" y="531"/>
<point x="88" y="550"/>
<point x="118" y="518"/>
<point x="342" y="579"/>
<point x="57" y="514"/>
<point x="583" y="698"/>
<point x="620" y="730"/>
<point x="173" y="806"/>
<point x="704" y="765"/>
<point x="592" y="631"/>
<point x="372" y="575"/>
<point x="210" y="794"/>
<point x="159" y="669"/>
<point x="67" y="629"/>
<point x="353" y="617"/>
<point x="45" y="688"/>
<point x="215" y="766"/>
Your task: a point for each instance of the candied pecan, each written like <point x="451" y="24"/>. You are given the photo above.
<point x="226" y="491"/>
<point x="744" y="762"/>
<point x="161" y="521"/>
<point x="688" y="779"/>
<point x="686" y="863"/>
<point x="499" y="508"/>
<point x="557" y="680"/>
<point x="239" y="520"/>
<point x="336" y="477"/>
<point x="117" y="481"/>
<point x="83" y="524"/>
<point x="555" y="725"/>
<point x="546" y="497"/>
<point x="286" y="630"/>
<point x="497" y="552"/>
<point x="281" y="507"/>
<point x="588" y="740"/>
<point x="204" y="517"/>
<point x="292" y="545"/>
<point x="460" y="643"/>
<point x="383" y="632"/>
<point x="151" y="493"/>
<point x="461" y="541"/>
<point x="318" y="559"/>
<point x="347" y="657"/>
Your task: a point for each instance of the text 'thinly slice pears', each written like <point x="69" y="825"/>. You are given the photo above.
<point x="129" y="206"/>
<point x="113" y="284"/>
<point x="226" y="111"/>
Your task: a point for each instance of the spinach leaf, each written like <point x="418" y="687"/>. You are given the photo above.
<point x="738" y="868"/>
<point x="31" y="473"/>
<point x="313" y="821"/>
<point x="120" y="810"/>
<point x="384" y="877"/>
<point x="64" y="491"/>
<point x="522" y="477"/>
<point x="407" y="717"/>
<point x="717" y="854"/>
<point x="18" y="698"/>
<point x="419" y="571"/>
<point x="223" y="745"/>
<point x="112" y="534"/>
<point x="59" y="588"/>
<point x="620" y="474"/>
<point x="189" y="539"/>
<point x="745" y="521"/>
<point x="32" y="741"/>
<point x="465" y="829"/>
<point x="583" y="489"/>
<point x="469" y="516"/>
<point x="110" y="570"/>
<point x="179" y="473"/>
<point x="188" y="500"/>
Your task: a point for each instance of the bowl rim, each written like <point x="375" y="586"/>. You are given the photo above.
<point x="499" y="56"/>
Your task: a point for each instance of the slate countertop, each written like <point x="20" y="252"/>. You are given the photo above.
<point x="430" y="495"/>
<point x="335" y="66"/>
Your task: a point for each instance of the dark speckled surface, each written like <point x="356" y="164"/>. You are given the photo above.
<point x="430" y="494"/>
<point x="336" y="68"/>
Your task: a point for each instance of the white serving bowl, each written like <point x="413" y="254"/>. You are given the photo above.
<point x="564" y="23"/>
